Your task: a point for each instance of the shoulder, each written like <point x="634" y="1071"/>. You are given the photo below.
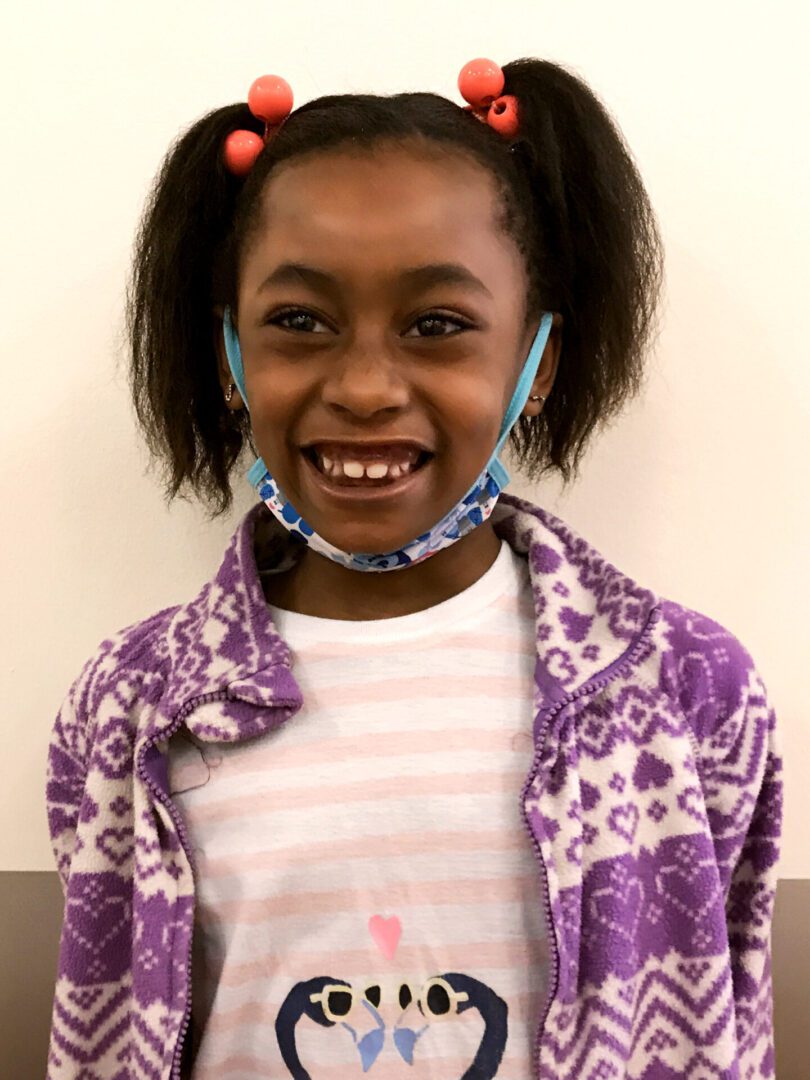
<point x="706" y="668"/>
<point x="697" y="661"/>
<point x="126" y="666"/>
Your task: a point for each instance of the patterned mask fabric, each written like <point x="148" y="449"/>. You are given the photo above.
<point x="470" y="511"/>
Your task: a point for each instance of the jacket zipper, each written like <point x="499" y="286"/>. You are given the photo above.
<point x="611" y="672"/>
<point x="552" y="986"/>
<point x="218" y="695"/>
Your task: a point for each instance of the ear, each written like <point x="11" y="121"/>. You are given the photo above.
<point x="547" y="368"/>
<point x="223" y="368"/>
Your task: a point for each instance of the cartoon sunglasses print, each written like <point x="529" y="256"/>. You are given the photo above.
<point x="435" y="999"/>
<point x="331" y="1002"/>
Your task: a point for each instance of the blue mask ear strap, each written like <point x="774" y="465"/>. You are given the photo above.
<point x="525" y="380"/>
<point x="234" y="354"/>
<point x="497" y="469"/>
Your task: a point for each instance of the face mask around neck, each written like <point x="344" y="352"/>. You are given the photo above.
<point x="469" y="512"/>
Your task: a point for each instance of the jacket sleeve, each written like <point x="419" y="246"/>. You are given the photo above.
<point x="742" y="773"/>
<point x="739" y="761"/>
<point x="66" y="771"/>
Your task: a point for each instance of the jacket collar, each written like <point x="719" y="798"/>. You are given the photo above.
<point x="588" y="617"/>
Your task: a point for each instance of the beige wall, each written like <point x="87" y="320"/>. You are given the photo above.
<point x="701" y="491"/>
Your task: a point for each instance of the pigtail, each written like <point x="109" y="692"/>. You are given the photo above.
<point x="597" y="257"/>
<point x="180" y="257"/>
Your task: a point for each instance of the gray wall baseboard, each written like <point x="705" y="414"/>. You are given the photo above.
<point x="31" y="905"/>
<point x="31" y="916"/>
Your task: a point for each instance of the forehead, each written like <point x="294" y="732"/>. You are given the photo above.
<point x="387" y="205"/>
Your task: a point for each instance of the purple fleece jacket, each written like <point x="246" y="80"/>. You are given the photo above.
<point x="653" y="803"/>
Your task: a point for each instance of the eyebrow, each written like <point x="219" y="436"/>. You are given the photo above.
<point x="446" y="273"/>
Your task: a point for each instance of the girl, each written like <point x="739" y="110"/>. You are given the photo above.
<point x="419" y="784"/>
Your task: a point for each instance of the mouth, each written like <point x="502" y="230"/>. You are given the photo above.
<point x="366" y="467"/>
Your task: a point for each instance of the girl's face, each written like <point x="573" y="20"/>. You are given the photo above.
<point x="382" y="325"/>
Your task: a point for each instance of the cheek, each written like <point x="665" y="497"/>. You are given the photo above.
<point x="279" y="400"/>
<point x="471" y="417"/>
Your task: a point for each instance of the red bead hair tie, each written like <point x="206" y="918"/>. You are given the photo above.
<point x="270" y="98"/>
<point x="481" y="83"/>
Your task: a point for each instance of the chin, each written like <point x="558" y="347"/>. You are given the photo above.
<point x="365" y="540"/>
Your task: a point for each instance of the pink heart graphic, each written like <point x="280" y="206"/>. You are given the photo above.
<point x="386" y="934"/>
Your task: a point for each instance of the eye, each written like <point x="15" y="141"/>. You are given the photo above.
<point x="436" y="323"/>
<point x="297" y="320"/>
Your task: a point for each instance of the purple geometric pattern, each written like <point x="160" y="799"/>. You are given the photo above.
<point x="654" y="802"/>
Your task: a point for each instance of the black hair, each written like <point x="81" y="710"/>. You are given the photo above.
<point x="572" y="199"/>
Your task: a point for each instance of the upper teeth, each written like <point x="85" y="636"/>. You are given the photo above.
<point x="375" y="470"/>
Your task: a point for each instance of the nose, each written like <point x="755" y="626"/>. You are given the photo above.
<point x="364" y="379"/>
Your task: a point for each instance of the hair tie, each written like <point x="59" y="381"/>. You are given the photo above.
<point x="481" y="83"/>
<point x="270" y="99"/>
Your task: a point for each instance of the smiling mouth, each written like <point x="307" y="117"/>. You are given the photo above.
<point x="366" y="466"/>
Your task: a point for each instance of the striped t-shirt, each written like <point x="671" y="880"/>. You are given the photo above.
<point x="368" y="897"/>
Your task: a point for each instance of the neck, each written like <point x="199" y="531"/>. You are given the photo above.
<point x="317" y="586"/>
